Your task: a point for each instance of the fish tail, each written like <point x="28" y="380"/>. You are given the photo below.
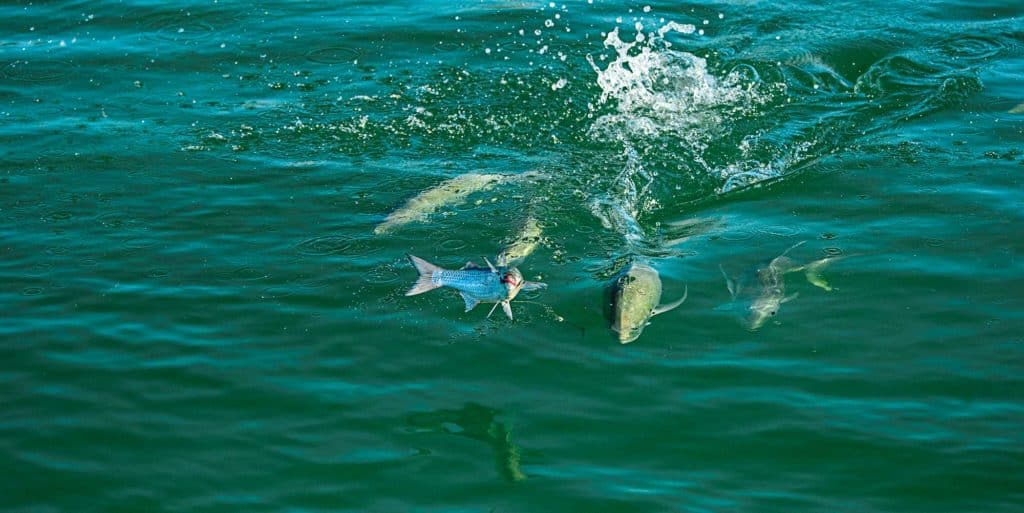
<point x="425" y="283"/>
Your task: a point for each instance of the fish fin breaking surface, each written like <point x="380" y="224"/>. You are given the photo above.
<point x="507" y="307"/>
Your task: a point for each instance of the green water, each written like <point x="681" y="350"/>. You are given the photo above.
<point x="198" y="315"/>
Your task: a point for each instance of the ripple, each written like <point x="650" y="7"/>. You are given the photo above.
<point x="737" y="235"/>
<point x="31" y="291"/>
<point x="158" y="273"/>
<point x="935" y="243"/>
<point x="381" y="275"/>
<point x="971" y="47"/>
<point x="782" y="231"/>
<point x="276" y="292"/>
<point x="335" y="245"/>
<point x="140" y="243"/>
<point x="114" y="220"/>
<point x="60" y="215"/>
<point x="448" y="46"/>
<point x="453" y="244"/>
<point x="177" y="27"/>
<point x="325" y="245"/>
<point x="832" y="251"/>
<point x="243" y="274"/>
<point x="35" y="71"/>
<point x="828" y="236"/>
<point x="332" y="55"/>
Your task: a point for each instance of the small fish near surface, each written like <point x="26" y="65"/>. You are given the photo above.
<point x="633" y="298"/>
<point x="448" y="192"/>
<point x="768" y="296"/>
<point x="498" y="285"/>
<point x="523" y="244"/>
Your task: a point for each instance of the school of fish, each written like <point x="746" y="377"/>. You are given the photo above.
<point x="632" y="297"/>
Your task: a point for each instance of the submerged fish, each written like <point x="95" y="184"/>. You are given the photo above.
<point x="770" y="293"/>
<point x="1019" y="109"/>
<point x="448" y="192"/>
<point x="523" y="245"/>
<point x="634" y="296"/>
<point x="498" y="285"/>
<point x="480" y="423"/>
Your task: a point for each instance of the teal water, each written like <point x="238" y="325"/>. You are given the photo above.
<point x="199" y="316"/>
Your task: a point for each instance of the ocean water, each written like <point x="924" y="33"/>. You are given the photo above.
<point x="201" y="313"/>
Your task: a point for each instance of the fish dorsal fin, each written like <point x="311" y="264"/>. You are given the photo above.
<point x="507" y="307"/>
<point x="784" y="264"/>
<point x="470" y="265"/>
<point x="471" y="301"/>
<point x="729" y="282"/>
<point x="660" y="309"/>
<point x="791" y="248"/>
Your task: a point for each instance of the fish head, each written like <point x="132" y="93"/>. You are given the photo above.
<point x="634" y="296"/>
<point x="763" y="308"/>
<point x="513" y="281"/>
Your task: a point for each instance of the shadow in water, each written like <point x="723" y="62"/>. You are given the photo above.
<point x="478" y="423"/>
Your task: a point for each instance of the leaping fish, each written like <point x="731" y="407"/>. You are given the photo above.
<point x="633" y="299"/>
<point x="498" y="285"/>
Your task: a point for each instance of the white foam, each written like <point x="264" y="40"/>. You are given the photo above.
<point x="658" y="91"/>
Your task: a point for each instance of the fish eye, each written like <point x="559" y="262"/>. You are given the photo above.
<point x="773" y="312"/>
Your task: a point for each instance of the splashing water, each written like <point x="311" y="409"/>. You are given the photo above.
<point x="658" y="91"/>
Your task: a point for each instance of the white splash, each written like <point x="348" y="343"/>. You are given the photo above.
<point x="660" y="91"/>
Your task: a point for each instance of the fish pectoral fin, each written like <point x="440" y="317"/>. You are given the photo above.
<point x="492" y="310"/>
<point x="507" y="306"/>
<point x="660" y="309"/>
<point x="790" y="297"/>
<point x="729" y="282"/>
<point x="533" y="285"/>
<point x="471" y="301"/>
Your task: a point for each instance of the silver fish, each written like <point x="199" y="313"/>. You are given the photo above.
<point x="523" y="245"/>
<point x="633" y="299"/>
<point x="448" y="192"/>
<point x="770" y="294"/>
<point x="498" y="285"/>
